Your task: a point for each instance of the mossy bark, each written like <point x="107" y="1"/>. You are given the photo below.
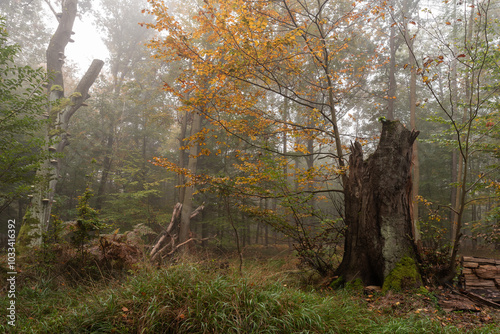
<point x="29" y="234"/>
<point x="404" y="276"/>
<point x="378" y="207"/>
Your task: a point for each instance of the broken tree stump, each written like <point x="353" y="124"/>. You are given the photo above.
<point x="167" y="243"/>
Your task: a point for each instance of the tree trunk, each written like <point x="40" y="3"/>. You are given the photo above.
<point x="181" y="179"/>
<point x="391" y="92"/>
<point x="36" y="221"/>
<point x="106" y="168"/>
<point x="378" y="195"/>
<point x="187" y="204"/>
<point x="413" y="125"/>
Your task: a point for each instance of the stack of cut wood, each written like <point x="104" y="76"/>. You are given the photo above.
<point x="482" y="276"/>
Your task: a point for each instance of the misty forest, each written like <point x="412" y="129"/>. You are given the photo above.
<point x="250" y="166"/>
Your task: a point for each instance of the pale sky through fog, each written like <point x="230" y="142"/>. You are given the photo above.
<point x="87" y="46"/>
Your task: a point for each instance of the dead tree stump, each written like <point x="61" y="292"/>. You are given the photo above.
<point x="378" y="209"/>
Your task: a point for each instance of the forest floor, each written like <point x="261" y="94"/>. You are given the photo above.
<point x="208" y="294"/>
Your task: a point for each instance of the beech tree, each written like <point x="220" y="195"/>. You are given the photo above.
<point x="309" y="54"/>
<point x="62" y="108"/>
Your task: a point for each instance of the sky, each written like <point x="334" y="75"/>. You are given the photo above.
<point x="87" y="46"/>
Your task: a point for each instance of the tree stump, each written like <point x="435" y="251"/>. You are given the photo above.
<point x="378" y="211"/>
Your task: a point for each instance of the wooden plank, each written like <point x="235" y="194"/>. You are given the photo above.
<point x="467" y="271"/>
<point x="480" y="283"/>
<point x="470" y="265"/>
<point x="471" y="277"/>
<point x="479" y="260"/>
<point x="487" y="271"/>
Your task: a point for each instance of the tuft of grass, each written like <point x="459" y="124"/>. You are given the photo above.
<point x="189" y="298"/>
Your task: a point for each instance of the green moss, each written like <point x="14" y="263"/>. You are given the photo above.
<point x="58" y="107"/>
<point x="56" y="132"/>
<point x="405" y="275"/>
<point x="56" y="87"/>
<point x="337" y="283"/>
<point x="27" y="234"/>
<point x="76" y="94"/>
<point x="422" y="290"/>
<point x="355" y="285"/>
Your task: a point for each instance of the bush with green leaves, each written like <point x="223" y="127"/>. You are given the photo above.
<point x="88" y="223"/>
<point x="22" y="103"/>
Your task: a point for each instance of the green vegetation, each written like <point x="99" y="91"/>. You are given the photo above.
<point x="202" y="298"/>
<point x="22" y="102"/>
<point x="404" y="276"/>
<point x="88" y="223"/>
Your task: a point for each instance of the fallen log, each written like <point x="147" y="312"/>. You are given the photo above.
<point x="168" y="238"/>
<point x="478" y="299"/>
<point x="188" y="241"/>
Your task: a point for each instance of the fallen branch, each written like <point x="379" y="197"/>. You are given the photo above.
<point x="188" y="241"/>
<point x="169" y="237"/>
<point x="478" y="299"/>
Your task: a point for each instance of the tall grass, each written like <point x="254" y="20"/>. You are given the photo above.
<point x="202" y="299"/>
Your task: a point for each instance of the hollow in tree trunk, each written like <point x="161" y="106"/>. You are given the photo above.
<point x="378" y="210"/>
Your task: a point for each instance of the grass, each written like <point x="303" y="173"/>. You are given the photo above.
<point x="202" y="298"/>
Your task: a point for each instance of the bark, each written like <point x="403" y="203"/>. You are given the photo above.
<point x="187" y="204"/>
<point x="169" y="239"/>
<point x="413" y="125"/>
<point x="378" y="207"/>
<point x="38" y="214"/>
<point x="454" y="180"/>
<point x="182" y="155"/>
<point x="106" y="164"/>
<point x="391" y="93"/>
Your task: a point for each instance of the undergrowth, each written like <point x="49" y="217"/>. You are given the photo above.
<point x="205" y="298"/>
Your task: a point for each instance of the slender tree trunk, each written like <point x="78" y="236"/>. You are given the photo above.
<point x="107" y="163"/>
<point x="454" y="180"/>
<point x="266" y="226"/>
<point x="187" y="204"/>
<point x="391" y="93"/>
<point x="378" y="196"/>
<point x="413" y="126"/>
<point x="463" y="158"/>
<point x="182" y="155"/>
<point x="455" y="174"/>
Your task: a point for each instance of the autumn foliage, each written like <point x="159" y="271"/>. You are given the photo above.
<point x="272" y="75"/>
